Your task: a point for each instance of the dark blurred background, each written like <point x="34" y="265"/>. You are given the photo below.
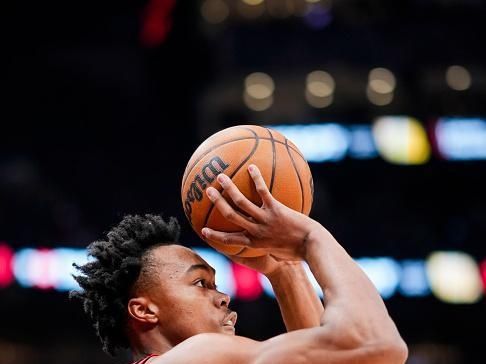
<point x="104" y="103"/>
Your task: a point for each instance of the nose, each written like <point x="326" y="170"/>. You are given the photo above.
<point x="222" y="299"/>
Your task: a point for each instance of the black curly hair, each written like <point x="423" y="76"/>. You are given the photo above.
<point x="119" y="263"/>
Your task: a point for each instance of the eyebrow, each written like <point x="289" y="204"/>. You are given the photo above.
<point x="200" y="266"/>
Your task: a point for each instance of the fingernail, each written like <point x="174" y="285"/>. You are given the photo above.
<point x="251" y="168"/>
<point x="211" y="193"/>
<point x="222" y="179"/>
<point x="205" y="232"/>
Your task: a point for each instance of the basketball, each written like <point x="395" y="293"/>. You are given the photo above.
<point x="231" y="151"/>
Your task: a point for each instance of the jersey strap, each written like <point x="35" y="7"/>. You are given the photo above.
<point x="144" y="360"/>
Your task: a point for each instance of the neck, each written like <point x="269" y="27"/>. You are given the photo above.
<point x="149" y="342"/>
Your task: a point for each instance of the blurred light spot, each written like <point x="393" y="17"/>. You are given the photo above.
<point x="318" y="142"/>
<point x="384" y="272"/>
<point x="20" y="266"/>
<point x="41" y="270"/>
<point x="320" y="84"/>
<point x="253" y="2"/>
<point x="214" y="11"/>
<point x="248" y="286"/>
<point x="319" y="89"/>
<point x="32" y="268"/>
<point x="362" y="144"/>
<point x="62" y="267"/>
<point x="259" y="85"/>
<point x="250" y="11"/>
<point x="6" y="258"/>
<point x="225" y="279"/>
<point x="379" y="99"/>
<point x="381" y="81"/>
<point x="257" y="104"/>
<point x="401" y="140"/>
<point x="414" y="278"/>
<point x="318" y="102"/>
<point x="267" y="286"/>
<point x="454" y="277"/>
<point x="318" y="16"/>
<point x="258" y="94"/>
<point x="156" y="22"/>
<point x="461" y="138"/>
<point x="458" y="78"/>
<point x="483" y="274"/>
<point x="381" y="84"/>
<point x="46" y="269"/>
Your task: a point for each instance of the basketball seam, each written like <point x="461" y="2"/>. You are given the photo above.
<point x="298" y="176"/>
<point x="232" y="141"/>
<point x="271" y="183"/>
<point x="274" y="161"/>
<point x="209" y="150"/>
<point x="257" y="141"/>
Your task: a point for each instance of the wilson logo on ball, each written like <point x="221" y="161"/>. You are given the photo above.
<point x="201" y="180"/>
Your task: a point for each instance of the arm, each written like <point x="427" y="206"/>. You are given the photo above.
<point x="355" y="314"/>
<point x="299" y="304"/>
<point x="355" y="321"/>
<point x="297" y="347"/>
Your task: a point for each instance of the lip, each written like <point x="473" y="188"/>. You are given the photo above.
<point x="233" y="317"/>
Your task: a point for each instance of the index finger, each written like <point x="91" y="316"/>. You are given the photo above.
<point x="239" y="199"/>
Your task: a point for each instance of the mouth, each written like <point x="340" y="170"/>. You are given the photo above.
<point x="230" y="319"/>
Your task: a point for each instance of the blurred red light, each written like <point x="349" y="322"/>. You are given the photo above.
<point x="156" y="22"/>
<point x="482" y="267"/>
<point x="6" y="274"/>
<point x="248" y="286"/>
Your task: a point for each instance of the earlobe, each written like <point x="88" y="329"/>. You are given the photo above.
<point x="142" y="310"/>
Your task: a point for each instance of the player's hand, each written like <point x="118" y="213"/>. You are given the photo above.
<point x="273" y="226"/>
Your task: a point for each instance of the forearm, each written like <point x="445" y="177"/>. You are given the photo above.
<point x="299" y="304"/>
<point x="352" y="303"/>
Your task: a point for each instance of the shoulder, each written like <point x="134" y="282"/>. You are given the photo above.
<point x="295" y="347"/>
<point x="211" y="349"/>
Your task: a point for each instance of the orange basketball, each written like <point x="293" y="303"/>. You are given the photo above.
<point x="231" y="151"/>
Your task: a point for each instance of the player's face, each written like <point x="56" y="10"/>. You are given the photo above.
<point x="186" y="296"/>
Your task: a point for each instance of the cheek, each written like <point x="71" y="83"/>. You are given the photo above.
<point x="191" y="303"/>
<point x="195" y="311"/>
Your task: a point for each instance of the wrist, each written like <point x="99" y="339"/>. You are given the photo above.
<point x="316" y="236"/>
<point x="284" y="270"/>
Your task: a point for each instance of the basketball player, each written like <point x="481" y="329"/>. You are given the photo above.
<point x="145" y="291"/>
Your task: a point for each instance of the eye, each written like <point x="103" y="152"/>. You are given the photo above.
<point x="201" y="283"/>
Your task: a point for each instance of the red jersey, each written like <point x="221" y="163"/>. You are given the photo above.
<point x="144" y="360"/>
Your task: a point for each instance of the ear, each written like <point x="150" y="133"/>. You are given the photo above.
<point x="143" y="310"/>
